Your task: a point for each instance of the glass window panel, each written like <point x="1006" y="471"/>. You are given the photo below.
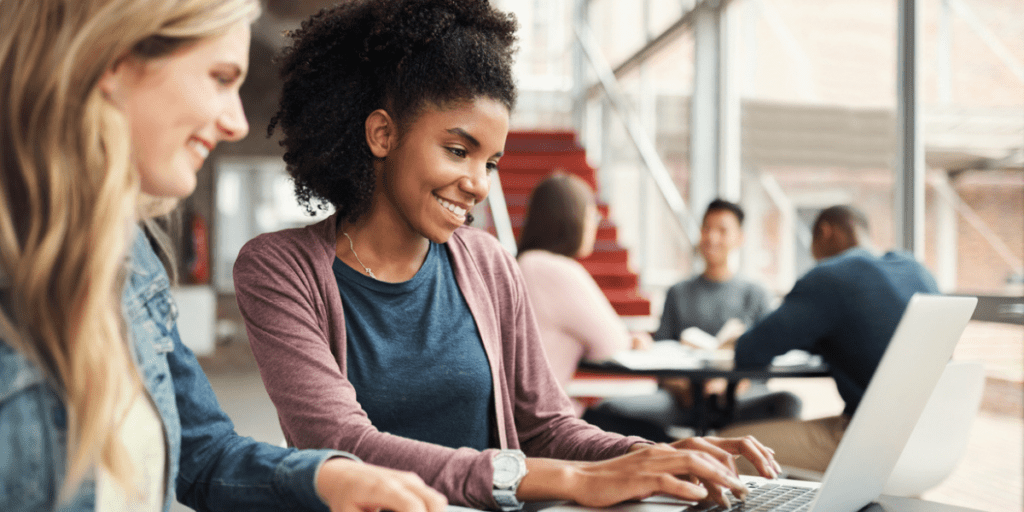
<point x="620" y="26"/>
<point x="817" y="82"/>
<point x="254" y="196"/>
<point x="972" y="78"/>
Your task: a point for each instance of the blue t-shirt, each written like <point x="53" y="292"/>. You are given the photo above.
<point x="415" y="356"/>
<point x="846" y="309"/>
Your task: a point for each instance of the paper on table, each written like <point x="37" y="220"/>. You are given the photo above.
<point x="672" y="355"/>
<point x="605" y="388"/>
<point x="797" y="358"/>
<point x="669" y="354"/>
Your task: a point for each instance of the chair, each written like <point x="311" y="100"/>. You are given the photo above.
<point x="939" y="440"/>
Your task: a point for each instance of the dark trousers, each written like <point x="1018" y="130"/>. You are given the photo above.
<point x="649" y="416"/>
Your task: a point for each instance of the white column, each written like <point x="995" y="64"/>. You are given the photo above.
<point x="704" y="108"/>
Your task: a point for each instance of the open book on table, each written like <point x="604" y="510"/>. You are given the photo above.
<point x="698" y="338"/>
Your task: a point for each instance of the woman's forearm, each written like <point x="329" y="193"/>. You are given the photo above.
<point x="548" y="479"/>
<point x="554" y="479"/>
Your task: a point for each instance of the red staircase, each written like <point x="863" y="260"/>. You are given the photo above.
<point x="532" y="156"/>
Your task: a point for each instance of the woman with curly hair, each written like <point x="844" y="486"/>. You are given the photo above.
<point x="108" y="108"/>
<point x="390" y="329"/>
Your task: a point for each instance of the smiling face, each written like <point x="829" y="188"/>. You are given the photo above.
<point x="180" y="106"/>
<point x="438" y="168"/>
<point x="720" y="234"/>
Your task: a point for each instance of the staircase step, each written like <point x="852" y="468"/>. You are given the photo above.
<point x="536" y="173"/>
<point x="520" y="208"/>
<point x="573" y="162"/>
<point x="516" y="203"/>
<point x="532" y="156"/>
<point x="518" y="217"/>
<point x="540" y="141"/>
<point x="611" y="275"/>
<point x="607" y="251"/>
<point x="524" y="181"/>
<point x="604" y="232"/>
<point x="568" y="135"/>
<point x="628" y="302"/>
<point x="605" y="267"/>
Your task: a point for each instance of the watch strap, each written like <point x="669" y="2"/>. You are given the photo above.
<point x="506" y="499"/>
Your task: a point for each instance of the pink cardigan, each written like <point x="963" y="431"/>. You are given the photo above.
<point x="575" y="319"/>
<point x="288" y="296"/>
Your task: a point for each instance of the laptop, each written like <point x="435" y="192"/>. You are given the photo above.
<point x="894" y="400"/>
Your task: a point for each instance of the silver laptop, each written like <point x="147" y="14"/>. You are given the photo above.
<point x="910" y="368"/>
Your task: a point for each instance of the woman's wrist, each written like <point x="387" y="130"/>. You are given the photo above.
<point x="549" y="479"/>
<point x="328" y="473"/>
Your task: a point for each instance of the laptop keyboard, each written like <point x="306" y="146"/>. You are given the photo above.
<point x="764" y="498"/>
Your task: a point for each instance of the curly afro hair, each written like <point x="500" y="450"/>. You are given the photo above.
<point x="398" y="55"/>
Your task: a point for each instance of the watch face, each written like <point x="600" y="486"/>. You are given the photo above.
<point x="506" y="469"/>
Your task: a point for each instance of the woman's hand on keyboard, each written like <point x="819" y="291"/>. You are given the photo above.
<point x="726" y="449"/>
<point x="647" y="470"/>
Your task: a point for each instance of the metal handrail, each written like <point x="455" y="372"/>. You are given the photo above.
<point x="499" y="212"/>
<point x="641" y="141"/>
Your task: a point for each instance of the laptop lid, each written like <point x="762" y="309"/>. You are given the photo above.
<point x="897" y="394"/>
<point x="917" y="354"/>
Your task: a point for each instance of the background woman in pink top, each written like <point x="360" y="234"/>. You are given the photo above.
<point x="367" y="324"/>
<point x="575" y="319"/>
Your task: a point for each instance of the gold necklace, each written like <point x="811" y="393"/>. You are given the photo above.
<point x="353" y="248"/>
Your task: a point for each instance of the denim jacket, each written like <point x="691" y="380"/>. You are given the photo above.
<point x="210" y="467"/>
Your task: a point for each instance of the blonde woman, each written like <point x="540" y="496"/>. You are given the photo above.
<point x="107" y="110"/>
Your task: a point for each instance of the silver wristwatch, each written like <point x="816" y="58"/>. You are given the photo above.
<point x="509" y="470"/>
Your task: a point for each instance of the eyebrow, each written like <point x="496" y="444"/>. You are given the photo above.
<point x="469" y="138"/>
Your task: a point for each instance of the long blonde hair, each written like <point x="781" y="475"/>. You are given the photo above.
<point x="69" y="195"/>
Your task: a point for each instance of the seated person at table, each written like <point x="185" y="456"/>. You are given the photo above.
<point x="845" y="309"/>
<point x="718" y="294"/>
<point x="709" y="301"/>
<point x="390" y="329"/>
<point x="575" y="319"/>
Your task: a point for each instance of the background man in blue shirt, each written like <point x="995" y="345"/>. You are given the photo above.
<point x="846" y="309"/>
